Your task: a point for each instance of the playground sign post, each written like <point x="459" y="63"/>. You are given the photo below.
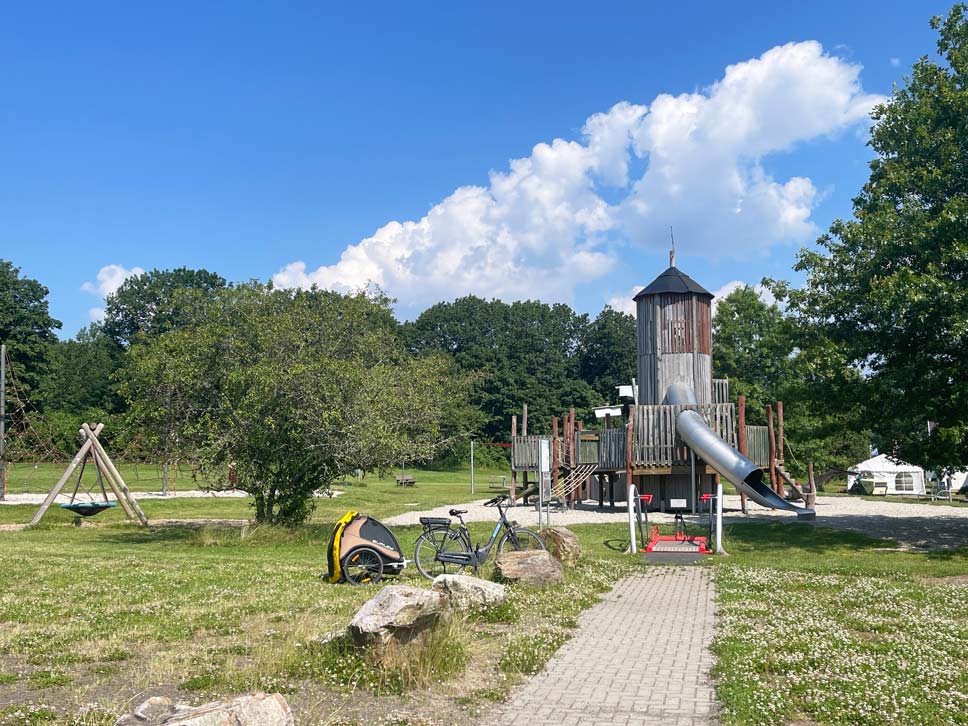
<point x="544" y="481"/>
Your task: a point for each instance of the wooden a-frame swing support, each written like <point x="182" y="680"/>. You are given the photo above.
<point x="92" y="446"/>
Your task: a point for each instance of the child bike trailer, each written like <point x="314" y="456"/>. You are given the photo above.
<point x="362" y="550"/>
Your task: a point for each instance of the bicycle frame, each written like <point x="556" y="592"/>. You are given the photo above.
<point x="475" y="556"/>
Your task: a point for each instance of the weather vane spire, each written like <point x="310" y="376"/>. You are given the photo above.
<point x="672" y="252"/>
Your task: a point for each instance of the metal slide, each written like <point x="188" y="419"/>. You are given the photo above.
<point x="746" y="476"/>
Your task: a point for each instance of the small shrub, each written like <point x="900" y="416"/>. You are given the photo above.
<point x="439" y="655"/>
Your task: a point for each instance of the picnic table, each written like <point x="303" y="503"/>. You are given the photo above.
<point x="498" y="482"/>
<point x="406" y="480"/>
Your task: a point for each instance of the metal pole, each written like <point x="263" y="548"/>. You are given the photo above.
<point x="472" y="466"/>
<point x="720" y="550"/>
<point x="3" y="421"/>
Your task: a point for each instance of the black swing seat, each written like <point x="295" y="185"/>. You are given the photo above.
<point x="88" y="509"/>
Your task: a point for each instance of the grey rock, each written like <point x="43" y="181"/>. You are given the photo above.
<point x="469" y="593"/>
<point x="529" y="567"/>
<point x="562" y="544"/>
<point x="251" y="709"/>
<point x="398" y="612"/>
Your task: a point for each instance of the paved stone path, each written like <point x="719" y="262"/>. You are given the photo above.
<point x="640" y="656"/>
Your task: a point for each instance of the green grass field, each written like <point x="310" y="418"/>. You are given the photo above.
<point x="816" y="626"/>
<point x="380" y="497"/>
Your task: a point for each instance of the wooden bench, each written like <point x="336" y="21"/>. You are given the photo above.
<point x="498" y="482"/>
<point x="406" y="480"/>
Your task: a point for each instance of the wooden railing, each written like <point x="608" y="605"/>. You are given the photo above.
<point x="655" y="442"/>
<point x="604" y="447"/>
<point x="758" y="445"/>
<point x="720" y="390"/>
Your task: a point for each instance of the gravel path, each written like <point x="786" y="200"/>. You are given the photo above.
<point x="33" y="498"/>
<point x="915" y="526"/>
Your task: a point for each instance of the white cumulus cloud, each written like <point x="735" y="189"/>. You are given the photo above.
<point x="624" y="302"/>
<point x="109" y="279"/>
<point x="557" y="217"/>
<point x="761" y="290"/>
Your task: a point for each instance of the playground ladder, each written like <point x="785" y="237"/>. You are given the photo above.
<point x="574" y="479"/>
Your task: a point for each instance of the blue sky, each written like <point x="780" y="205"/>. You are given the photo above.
<point x="262" y="140"/>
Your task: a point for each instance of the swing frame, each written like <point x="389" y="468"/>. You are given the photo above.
<point x="106" y="471"/>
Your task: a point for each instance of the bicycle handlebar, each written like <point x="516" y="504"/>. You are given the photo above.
<point x="496" y="500"/>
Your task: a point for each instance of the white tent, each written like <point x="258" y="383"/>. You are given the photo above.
<point x="900" y="477"/>
<point x="958" y="480"/>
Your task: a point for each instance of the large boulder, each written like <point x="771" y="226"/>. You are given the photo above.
<point x="252" y="709"/>
<point x="530" y="567"/>
<point x="470" y="593"/>
<point x="562" y="544"/>
<point x="397" y="613"/>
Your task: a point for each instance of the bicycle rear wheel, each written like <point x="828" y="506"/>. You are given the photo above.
<point x="519" y="539"/>
<point x="429" y="544"/>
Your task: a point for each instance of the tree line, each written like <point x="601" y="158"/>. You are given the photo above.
<point x="296" y="388"/>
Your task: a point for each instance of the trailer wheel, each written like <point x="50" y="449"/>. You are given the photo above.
<point x="363" y="566"/>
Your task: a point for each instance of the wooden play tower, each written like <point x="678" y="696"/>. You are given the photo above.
<point x="674" y="339"/>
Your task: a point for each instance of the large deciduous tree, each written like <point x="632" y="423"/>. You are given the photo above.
<point x="890" y="286"/>
<point x="608" y="353"/>
<point x="523" y="352"/>
<point x="295" y="388"/>
<point x="767" y="358"/>
<point x="150" y="303"/>
<point x="752" y="347"/>
<point x="25" y="325"/>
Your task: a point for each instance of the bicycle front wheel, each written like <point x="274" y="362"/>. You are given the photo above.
<point x="520" y="539"/>
<point x="429" y="544"/>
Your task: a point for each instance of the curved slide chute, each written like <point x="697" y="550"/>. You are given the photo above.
<point x="746" y="476"/>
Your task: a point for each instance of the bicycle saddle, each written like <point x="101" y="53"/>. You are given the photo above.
<point x="456" y="512"/>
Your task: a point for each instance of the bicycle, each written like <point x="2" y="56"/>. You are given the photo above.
<point x="443" y="549"/>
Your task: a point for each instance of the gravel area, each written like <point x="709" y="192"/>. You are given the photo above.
<point x="33" y="498"/>
<point x="915" y="526"/>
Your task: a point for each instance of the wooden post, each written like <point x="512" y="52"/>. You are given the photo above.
<point x="514" y="472"/>
<point x="122" y="500"/>
<point x="812" y="483"/>
<point x="741" y="438"/>
<point x="571" y="438"/>
<point x="554" y="453"/>
<point x="780" y="444"/>
<point x="577" y="495"/>
<point x="115" y="473"/>
<point x="75" y="462"/>
<point x="524" y="420"/>
<point x="611" y="488"/>
<point x="772" y="433"/>
<point x="629" y="440"/>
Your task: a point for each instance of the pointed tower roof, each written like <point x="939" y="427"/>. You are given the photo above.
<point x="673" y="280"/>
